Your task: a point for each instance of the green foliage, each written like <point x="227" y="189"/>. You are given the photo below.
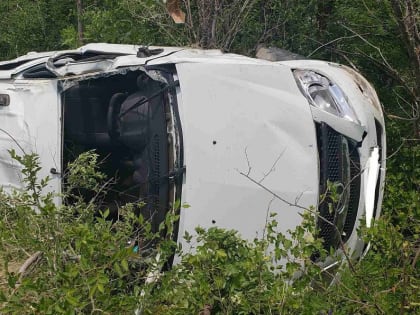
<point x="88" y="264"/>
<point x="32" y="25"/>
<point x="239" y="277"/>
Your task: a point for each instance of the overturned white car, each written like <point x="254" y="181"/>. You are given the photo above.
<point x="220" y="132"/>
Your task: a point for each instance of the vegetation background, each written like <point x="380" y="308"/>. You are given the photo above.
<point x="380" y="38"/>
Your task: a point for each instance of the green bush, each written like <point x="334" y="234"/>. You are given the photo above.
<point x="87" y="264"/>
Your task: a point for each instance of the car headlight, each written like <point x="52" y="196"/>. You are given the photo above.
<point x="324" y="94"/>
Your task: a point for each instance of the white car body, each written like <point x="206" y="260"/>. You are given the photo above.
<point x="240" y="131"/>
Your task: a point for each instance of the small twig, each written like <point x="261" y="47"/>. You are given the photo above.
<point x="267" y="215"/>
<point x="371" y="45"/>
<point x="402" y="118"/>
<point x="31" y="261"/>
<point x="275" y="194"/>
<point x="273" y="167"/>
<point x="247" y="161"/>
<point x="24" y="270"/>
<point x="399" y="147"/>
<point x="14" y="140"/>
<point x="330" y="42"/>
<point x="416" y="257"/>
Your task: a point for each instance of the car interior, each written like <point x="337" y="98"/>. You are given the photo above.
<point x="123" y="118"/>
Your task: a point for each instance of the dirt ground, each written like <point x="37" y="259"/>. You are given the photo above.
<point x="13" y="267"/>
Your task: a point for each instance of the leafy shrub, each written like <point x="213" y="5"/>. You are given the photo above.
<point x="235" y="276"/>
<point x="88" y="264"/>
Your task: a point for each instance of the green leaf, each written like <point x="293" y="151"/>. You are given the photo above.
<point x="100" y="287"/>
<point x="124" y="264"/>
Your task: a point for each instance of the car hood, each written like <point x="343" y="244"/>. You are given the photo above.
<point x="248" y="135"/>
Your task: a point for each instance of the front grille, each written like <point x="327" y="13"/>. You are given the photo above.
<point x="333" y="156"/>
<point x="353" y="207"/>
<point x="334" y="168"/>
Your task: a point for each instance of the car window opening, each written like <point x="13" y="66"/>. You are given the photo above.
<point x="123" y="118"/>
